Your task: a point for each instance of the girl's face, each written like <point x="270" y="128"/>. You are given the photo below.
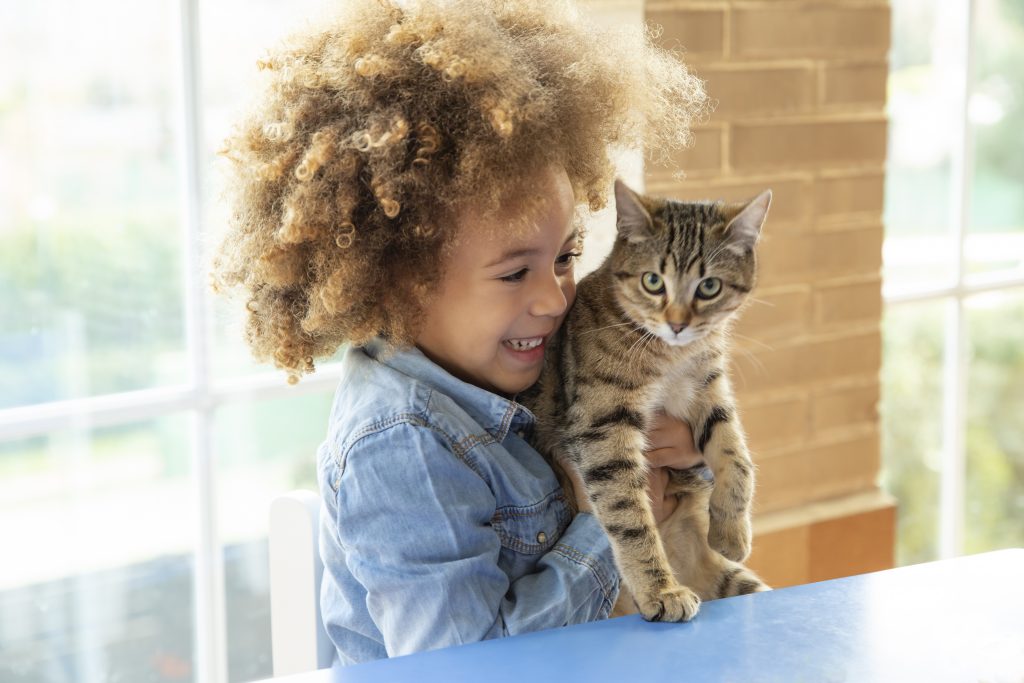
<point x="502" y="297"/>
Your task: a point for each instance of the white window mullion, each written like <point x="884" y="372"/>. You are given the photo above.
<point x="208" y="574"/>
<point x="129" y="407"/>
<point x="951" y="488"/>
<point x="979" y="284"/>
<point x="954" y="467"/>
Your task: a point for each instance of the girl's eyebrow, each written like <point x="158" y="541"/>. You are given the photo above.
<point x="518" y="253"/>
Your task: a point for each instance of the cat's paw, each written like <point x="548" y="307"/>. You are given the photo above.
<point x="675" y="603"/>
<point x="731" y="536"/>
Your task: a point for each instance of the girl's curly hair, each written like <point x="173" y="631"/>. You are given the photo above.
<point x="376" y="128"/>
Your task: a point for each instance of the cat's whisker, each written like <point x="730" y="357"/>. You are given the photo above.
<point x="644" y="340"/>
<point x="755" y="300"/>
<point x="648" y="344"/>
<point x="753" y="359"/>
<point x="641" y="343"/>
<point x="634" y="345"/>
<point x="760" y="343"/>
<point x="637" y="343"/>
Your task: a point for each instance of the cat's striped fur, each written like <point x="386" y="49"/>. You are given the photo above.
<point x="694" y="563"/>
<point x="648" y="331"/>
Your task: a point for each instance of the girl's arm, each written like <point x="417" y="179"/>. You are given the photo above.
<point x="415" y="523"/>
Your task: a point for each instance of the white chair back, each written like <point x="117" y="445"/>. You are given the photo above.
<point x="298" y="640"/>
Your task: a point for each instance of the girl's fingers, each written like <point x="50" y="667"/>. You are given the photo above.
<point x="676" y="458"/>
<point x="661" y="505"/>
<point x="667" y="431"/>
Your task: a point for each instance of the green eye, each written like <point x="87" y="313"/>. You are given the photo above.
<point x="709" y="288"/>
<point x="652" y="283"/>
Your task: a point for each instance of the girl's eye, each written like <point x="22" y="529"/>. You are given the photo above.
<point x="709" y="288"/>
<point x="652" y="283"/>
<point x="516" y="277"/>
<point x="566" y="259"/>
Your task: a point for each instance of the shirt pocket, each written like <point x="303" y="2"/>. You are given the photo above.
<point x="532" y="529"/>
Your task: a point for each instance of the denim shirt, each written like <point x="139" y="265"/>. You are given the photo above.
<point x="440" y="524"/>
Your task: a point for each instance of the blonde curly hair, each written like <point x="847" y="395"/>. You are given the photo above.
<point x="377" y="127"/>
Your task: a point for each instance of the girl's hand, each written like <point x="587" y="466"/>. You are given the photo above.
<point x="661" y="505"/>
<point x="670" y="445"/>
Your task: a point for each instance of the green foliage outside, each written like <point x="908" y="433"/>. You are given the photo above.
<point x="911" y="411"/>
<point x="92" y="305"/>
<point x="995" y="433"/>
<point x="912" y="416"/>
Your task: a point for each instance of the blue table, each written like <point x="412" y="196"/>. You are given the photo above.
<point x="954" y="620"/>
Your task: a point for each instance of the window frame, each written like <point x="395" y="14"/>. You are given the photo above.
<point x="955" y="293"/>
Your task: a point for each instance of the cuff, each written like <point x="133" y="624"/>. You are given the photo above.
<point x="585" y="532"/>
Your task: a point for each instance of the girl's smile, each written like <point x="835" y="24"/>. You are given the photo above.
<point x="527" y="351"/>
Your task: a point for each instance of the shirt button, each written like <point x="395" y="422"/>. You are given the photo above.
<point x="521" y="433"/>
<point x="542" y="538"/>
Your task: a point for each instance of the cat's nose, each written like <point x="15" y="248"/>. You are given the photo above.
<point x="677" y="327"/>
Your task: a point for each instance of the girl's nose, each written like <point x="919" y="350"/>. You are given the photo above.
<point x="549" y="297"/>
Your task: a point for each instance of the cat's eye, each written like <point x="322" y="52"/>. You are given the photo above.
<point x="709" y="288"/>
<point x="653" y="283"/>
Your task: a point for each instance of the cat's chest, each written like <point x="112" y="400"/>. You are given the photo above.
<point x="681" y="386"/>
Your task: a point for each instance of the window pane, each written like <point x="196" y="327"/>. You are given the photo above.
<point x="264" y="449"/>
<point x="995" y="432"/>
<point x="912" y="423"/>
<point x="995" y="240"/>
<point x="90" y="255"/>
<point x="98" y="534"/>
<point x="923" y="119"/>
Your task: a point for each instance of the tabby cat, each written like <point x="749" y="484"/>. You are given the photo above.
<point x="648" y="331"/>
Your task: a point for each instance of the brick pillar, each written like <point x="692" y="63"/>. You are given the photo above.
<point x="801" y="97"/>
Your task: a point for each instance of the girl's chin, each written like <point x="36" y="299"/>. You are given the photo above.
<point x="516" y="382"/>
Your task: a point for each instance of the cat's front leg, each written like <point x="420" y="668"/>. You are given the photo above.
<point x="609" y="453"/>
<point x="720" y="438"/>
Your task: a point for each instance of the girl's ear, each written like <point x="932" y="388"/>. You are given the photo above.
<point x="632" y="219"/>
<point x="745" y="222"/>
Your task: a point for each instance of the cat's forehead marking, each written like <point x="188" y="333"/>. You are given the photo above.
<point x="687" y="229"/>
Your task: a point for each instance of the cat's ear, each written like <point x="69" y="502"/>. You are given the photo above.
<point x="744" y="221"/>
<point x="632" y="219"/>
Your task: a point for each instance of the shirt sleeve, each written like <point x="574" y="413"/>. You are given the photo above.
<point x="415" y="523"/>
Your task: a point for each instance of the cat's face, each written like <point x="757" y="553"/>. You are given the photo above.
<point x="682" y="269"/>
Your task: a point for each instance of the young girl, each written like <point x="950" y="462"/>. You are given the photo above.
<point x="409" y="187"/>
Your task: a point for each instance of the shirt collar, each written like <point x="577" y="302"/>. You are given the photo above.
<point x="495" y="413"/>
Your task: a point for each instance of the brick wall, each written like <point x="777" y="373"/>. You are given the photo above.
<point x="801" y="96"/>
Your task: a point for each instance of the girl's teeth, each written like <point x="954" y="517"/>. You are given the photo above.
<point x="524" y="345"/>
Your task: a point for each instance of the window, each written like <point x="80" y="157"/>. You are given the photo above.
<point x="953" y="385"/>
<point x="139" y="445"/>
